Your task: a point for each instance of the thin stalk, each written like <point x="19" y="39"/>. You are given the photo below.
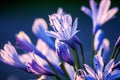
<point x="74" y="68"/>
<point x="82" y="52"/>
<point x="117" y="52"/>
<point x="113" y="53"/>
<point x="64" y="70"/>
<point x="76" y="58"/>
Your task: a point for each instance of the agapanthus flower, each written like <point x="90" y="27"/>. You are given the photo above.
<point x="26" y="44"/>
<point x="10" y="56"/>
<point x="55" y="58"/>
<point x="102" y="72"/>
<point x="39" y="67"/>
<point x="64" y="53"/>
<point x="62" y="26"/>
<point x="44" y="51"/>
<point x="36" y="65"/>
<point x="25" y="61"/>
<point x="39" y="28"/>
<point x="99" y="15"/>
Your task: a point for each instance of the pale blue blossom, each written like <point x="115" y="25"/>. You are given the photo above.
<point x="62" y="25"/>
<point x="99" y="15"/>
<point x="44" y="51"/>
<point x="101" y="71"/>
<point x="39" y="28"/>
<point x="10" y="56"/>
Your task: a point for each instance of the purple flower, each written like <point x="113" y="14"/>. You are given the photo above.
<point x="39" y="28"/>
<point x="26" y="44"/>
<point x="62" y="25"/>
<point x="49" y="53"/>
<point x="9" y="56"/>
<point x="99" y="15"/>
<point x="101" y="72"/>
<point x="38" y="69"/>
<point x="64" y="53"/>
<point x="35" y="64"/>
<point x="41" y="49"/>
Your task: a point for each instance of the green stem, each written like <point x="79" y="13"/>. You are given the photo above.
<point x="116" y="54"/>
<point x="65" y="72"/>
<point x="82" y="52"/>
<point x="76" y="58"/>
<point x="113" y="53"/>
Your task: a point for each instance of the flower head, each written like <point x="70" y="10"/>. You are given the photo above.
<point x="9" y="56"/>
<point x="99" y="15"/>
<point x="26" y="44"/>
<point x="101" y="72"/>
<point x="39" y="27"/>
<point x="37" y="69"/>
<point x="64" y="53"/>
<point x="62" y="25"/>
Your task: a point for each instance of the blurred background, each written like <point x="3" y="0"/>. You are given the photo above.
<point x="19" y="15"/>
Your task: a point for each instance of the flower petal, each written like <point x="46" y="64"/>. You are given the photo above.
<point x="109" y="67"/>
<point x="86" y="11"/>
<point x="52" y="34"/>
<point x="115" y="75"/>
<point x="98" y="39"/>
<point x="37" y="69"/>
<point x="103" y="8"/>
<point x="94" y="9"/>
<point x="90" y="71"/>
<point x="9" y="56"/>
<point x="24" y="58"/>
<point x="98" y="64"/>
<point x="39" y="27"/>
<point x="63" y="53"/>
<point x="24" y="41"/>
<point x="106" y="48"/>
<point x="69" y="70"/>
<point x="89" y="77"/>
<point x="109" y="15"/>
<point x="68" y="21"/>
<point x="73" y="30"/>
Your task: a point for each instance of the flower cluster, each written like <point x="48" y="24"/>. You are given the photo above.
<point x="60" y="58"/>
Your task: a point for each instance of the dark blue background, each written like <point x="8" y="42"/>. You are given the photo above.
<point x="20" y="15"/>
